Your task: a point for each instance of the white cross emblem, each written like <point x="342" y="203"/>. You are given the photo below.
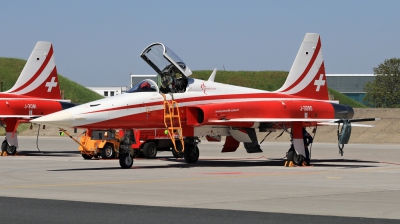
<point x="51" y="84"/>
<point x="320" y="82"/>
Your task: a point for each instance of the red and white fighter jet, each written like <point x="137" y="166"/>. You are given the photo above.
<point x="36" y="93"/>
<point x="196" y="108"/>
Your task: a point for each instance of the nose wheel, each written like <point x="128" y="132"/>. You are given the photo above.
<point x="125" y="160"/>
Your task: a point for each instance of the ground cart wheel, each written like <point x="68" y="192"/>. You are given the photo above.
<point x="108" y="151"/>
<point x="150" y="150"/>
<point x="87" y="156"/>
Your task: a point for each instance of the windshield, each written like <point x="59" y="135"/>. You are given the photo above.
<point x="146" y="85"/>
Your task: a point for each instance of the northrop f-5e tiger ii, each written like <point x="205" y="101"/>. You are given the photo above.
<point x="36" y="93"/>
<point x="189" y="108"/>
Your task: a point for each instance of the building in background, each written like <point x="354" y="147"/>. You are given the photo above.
<point x="135" y="79"/>
<point x="351" y="85"/>
<point x="108" y="91"/>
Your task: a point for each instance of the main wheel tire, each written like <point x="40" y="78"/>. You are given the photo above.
<point x="290" y="155"/>
<point x="86" y="156"/>
<point x="9" y="149"/>
<point x="108" y="151"/>
<point x="125" y="160"/>
<point x="150" y="150"/>
<point x="4" y="146"/>
<point x="191" y="153"/>
<point x="298" y="159"/>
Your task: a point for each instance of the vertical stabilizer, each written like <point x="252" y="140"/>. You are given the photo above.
<point x="307" y="76"/>
<point x="39" y="77"/>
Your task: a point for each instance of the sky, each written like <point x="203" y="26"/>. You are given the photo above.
<point x="98" y="43"/>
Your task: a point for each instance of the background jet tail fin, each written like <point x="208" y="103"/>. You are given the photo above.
<point x="307" y="76"/>
<point x="39" y="77"/>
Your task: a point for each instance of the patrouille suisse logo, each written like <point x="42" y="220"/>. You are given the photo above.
<point x="204" y="88"/>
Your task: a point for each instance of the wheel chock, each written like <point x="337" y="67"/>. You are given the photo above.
<point x="305" y="164"/>
<point x="289" y="164"/>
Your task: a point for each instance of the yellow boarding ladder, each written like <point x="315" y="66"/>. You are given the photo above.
<point x="172" y="117"/>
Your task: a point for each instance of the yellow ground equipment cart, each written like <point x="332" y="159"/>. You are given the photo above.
<point x="104" y="143"/>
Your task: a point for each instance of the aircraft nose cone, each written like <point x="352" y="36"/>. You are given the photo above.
<point x="60" y="119"/>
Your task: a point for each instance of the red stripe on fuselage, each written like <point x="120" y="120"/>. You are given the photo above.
<point x="310" y="64"/>
<point x="39" y="71"/>
<point x="29" y="107"/>
<point x="204" y="98"/>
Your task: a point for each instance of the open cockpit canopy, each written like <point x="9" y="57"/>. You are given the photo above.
<point x="164" y="61"/>
<point x="169" y="66"/>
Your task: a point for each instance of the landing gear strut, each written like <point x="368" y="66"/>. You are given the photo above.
<point x="125" y="151"/>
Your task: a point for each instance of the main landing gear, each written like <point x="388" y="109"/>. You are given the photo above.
<point x="292" y="155"/>
<point x="9" y="149"/>
<point x="191" y="153"/>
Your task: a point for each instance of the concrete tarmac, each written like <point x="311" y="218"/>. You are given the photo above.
<point x="364" y="183"/>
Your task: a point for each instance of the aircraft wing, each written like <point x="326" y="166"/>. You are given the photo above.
<point x="319" y="121"/>
<point x="274" y="120"/>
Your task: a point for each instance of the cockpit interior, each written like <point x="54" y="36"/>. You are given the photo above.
<point x="146" y="85"/>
